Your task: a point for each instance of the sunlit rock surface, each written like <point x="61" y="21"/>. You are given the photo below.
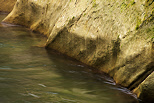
<point x="7" y="5"/>
<point x="114" y="36"/>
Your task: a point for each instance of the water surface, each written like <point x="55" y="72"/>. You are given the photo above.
<point x="30" y="74"/>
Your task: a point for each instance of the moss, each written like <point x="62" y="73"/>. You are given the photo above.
<point x="138" y="23"/>
<point x="123" y="6"/>
<point x="71" y="21"/>
<point x="137" y="27"/>
<point x="84" y="14"/>
<point x="146" y="31"/>
<point x="94" y="3"/>
<point x="132" y="2"/>
<point x="148" y="3"/>
<point x="126" y="4"/>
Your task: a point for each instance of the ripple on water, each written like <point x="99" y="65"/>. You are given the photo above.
<point x="1" y="45"/>
<point x="42" y="85"/>
<point x="5" y="68"/>
<point x="52" y="93"/>
<point x="8" y="25"/>
<point x="33" y="95"/>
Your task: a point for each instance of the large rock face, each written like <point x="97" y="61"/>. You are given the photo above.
<point x="114" y="36"/>
<point x="7" y="5"/>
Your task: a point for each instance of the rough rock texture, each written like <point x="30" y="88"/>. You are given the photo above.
<point x="7" y="5"/>
<point x="114" y="36"/>
<point x="145" y="89"/>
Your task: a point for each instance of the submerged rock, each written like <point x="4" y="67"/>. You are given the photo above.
<point x="114" y="36"/>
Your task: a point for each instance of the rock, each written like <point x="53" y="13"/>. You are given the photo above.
<point x="115" y="37"/>
<point x="145" y="91"/>
<point x="7" y="5"/>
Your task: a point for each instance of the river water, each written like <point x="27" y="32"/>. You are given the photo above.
<point x="30" y="74"/>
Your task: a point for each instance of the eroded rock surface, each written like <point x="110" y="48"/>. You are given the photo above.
<point x="7" y="5"/>
<point x="114" y="36"/>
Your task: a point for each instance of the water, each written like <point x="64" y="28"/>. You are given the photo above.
<point x="30" y="74"/>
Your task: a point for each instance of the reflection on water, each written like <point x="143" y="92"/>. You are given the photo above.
<point x="29" y="74"/>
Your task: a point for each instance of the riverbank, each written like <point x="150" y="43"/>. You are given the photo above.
<point x="116" y="37"/>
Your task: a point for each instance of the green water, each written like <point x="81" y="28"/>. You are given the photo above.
<point x="30" y="74"/>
